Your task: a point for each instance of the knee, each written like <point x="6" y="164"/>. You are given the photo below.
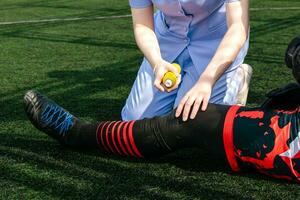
<point x="128" y="114"/>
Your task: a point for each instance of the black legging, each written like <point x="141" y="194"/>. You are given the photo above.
<point x="156" y="136"/>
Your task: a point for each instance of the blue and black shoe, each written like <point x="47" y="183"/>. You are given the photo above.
<point x="47" y="116"/>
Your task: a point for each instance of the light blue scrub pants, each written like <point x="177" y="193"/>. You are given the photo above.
<point x="146" y="101"/>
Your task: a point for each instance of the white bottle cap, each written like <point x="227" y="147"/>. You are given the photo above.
<point x="168" y="83"/>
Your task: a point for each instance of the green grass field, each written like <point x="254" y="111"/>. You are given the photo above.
<point x="88" y="66"/>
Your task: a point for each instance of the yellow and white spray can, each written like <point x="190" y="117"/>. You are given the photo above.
<point x="169" y="79"/>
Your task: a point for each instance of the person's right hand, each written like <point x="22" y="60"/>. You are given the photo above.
<point x="160" y="68"/>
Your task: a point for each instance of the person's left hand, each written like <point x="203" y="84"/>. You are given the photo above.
<point x="197" y="96"/>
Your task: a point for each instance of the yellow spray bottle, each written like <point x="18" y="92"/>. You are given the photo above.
<point x="169" y="79"/>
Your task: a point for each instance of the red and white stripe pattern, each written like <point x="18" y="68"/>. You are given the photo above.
<point x="117" y="137"/>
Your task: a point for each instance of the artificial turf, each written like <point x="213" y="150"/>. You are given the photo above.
<point x="88" y="66"/>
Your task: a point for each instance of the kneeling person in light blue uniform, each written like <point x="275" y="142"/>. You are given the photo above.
<point x="208" y="38"/>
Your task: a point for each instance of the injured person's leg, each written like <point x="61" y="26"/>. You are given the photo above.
<point x="265" y="139"/>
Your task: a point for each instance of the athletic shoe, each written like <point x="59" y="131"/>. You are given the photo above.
<point x="47" y="116"/>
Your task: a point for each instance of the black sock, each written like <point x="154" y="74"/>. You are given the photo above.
<point x="153" y="137"/>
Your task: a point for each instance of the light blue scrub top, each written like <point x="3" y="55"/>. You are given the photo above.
<point x="198" y="25"/>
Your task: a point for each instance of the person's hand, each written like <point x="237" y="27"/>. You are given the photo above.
<point x="197" y="96"/>
<point x="160" y="68"/>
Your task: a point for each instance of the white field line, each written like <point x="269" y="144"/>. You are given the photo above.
<point x="65" y="19"/>
<point x="274" y="8"/>
<point x="118" y="17"/>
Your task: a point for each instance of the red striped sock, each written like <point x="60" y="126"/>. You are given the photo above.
<point x="117" y="137"/>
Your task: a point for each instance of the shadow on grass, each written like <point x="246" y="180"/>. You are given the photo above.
<point x="31" y="32"/>
<point x="273" y="24"/>
<point x="72" y="89"/>
<point x="68" y="6"/>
